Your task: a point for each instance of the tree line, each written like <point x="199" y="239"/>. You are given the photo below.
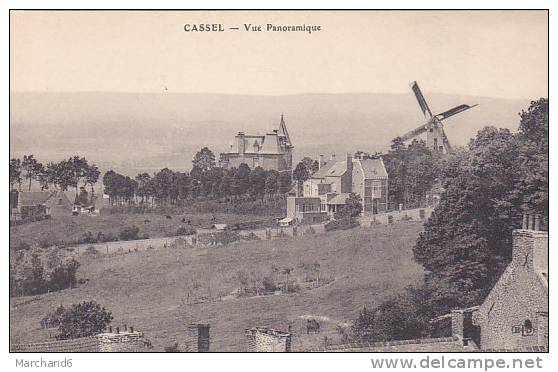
<point x="68" y="173"/>
<point x="205" y="181"/>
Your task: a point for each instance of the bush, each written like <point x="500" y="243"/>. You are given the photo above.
<point x="342" y="224"/>
<point x="129" y="233"/>
<point x="53" y="319"/>
<point x="38" y="271"/>
<point x="251" y="237"/>
<point x="91" y="251"/>
<point x="108" y="237"/>
<point x="83" y="320"/>
<point x="269" y="284"/>
<point x="185" y="231"/>
<point x="88" y="238"/>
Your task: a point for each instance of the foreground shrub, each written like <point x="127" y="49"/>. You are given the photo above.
<point x="342" y="224"/>
<point x="83" y="320"/>
<point x="185" y="231"/>
<point x="129" y="233"/>
<point x="39" y="271"/>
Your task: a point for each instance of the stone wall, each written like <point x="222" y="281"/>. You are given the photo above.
<point x="86" y="344"/>
<point x="197" y="338"/>
<point x="418" y="214"/>
<point x="122" y="342"/>
<point x="512" y="315"/>
<point x="262" y="339"/>
<point x="104" y="342"/>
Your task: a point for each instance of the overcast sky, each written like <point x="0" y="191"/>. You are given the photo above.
<point x="488" y="53"/>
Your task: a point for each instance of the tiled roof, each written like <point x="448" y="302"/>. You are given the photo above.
<point x="373" y="168"/>
<point x="321" y="173"/>
<point x="331" y="169"/>
<point x="33" y="198"/>
<point x="339" y="199"/>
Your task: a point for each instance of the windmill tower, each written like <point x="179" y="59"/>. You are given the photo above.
<point x="436" y="138"/>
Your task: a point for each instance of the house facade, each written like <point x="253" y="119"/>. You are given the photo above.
<point x="515" y="313"/>
<point x="330" y="187"/>
<point x="272" y="151"/>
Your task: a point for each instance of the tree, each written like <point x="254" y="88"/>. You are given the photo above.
<point x="143" y="186"/>
<point x="242" y="179"/>
<point x="272" y="182"/>
<point x="32" y="168"/>
<point x="83" y="320"/>
<point x="204" y="159"/>
<point x="15" y="173"/>
<point x="91" y="173"/>
<point x="76" y="170"/>
<point x="413" y="170"/>
<point x="257" y="182"/>
<point x="301" y="173"/>
<point x="311" y="165"/>
<point x="466" y="242"/>
<point x="533" y="157"/>
<point x="351" y="209"/>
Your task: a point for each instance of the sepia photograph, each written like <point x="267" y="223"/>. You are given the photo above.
<point x="229" y="181"/>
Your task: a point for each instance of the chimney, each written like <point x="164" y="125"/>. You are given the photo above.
<point x="349" y="186"/>
<point x="321" y="162"/>
<point x="241" y="143"/>
<point x="198" y="338"/>
<point x="462" y="324"/>
<point x="263" y="339"/>
<point x="333" y="157"/>
<point x="530" y="245"/>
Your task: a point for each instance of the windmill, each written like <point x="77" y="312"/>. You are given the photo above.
<point x="436" y="138"/>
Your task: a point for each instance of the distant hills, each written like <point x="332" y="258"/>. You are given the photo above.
<point x="132" y="132"/>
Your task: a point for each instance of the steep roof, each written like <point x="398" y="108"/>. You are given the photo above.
<point x="339" y="199"/>
<point x="331" y="169"/>
<point x="33" y="198"/>
<point x="373" y="168"/>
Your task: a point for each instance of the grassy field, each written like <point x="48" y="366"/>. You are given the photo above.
<point x="148" y="290"/>
<point x="70" y="228"/>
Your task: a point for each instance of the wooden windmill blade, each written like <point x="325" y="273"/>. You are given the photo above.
<point x="415" y="132"/>
<point x="421" y="100"/>
<point x="454" y="111"/>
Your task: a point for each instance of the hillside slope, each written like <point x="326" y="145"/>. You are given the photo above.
<point x="148" y="290"/>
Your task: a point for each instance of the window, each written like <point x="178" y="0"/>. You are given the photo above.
<point x="527" y="327"/>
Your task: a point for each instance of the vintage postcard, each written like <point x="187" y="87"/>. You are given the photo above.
<point x="278" y="181"/>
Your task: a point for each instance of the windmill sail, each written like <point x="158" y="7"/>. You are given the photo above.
<point x="415" y="132"/>
<point x="453" y="111"/>
<point x="421" y="101"/>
